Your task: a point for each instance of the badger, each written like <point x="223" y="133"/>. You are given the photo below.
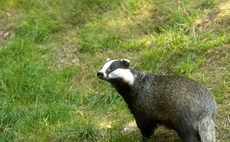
<point x="176" y="102"/>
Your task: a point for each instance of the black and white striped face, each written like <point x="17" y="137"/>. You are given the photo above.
<point x="116" y="69"/>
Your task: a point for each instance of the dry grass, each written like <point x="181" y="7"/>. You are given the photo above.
<point x="217" y="18"/>
<point x="217" y="64"/>
<point x="223" y="121"/>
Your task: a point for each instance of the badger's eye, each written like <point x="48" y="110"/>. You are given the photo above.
<point x="111" y="68"/>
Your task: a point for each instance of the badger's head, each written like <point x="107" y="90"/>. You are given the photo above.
<point x="116" y="70"/>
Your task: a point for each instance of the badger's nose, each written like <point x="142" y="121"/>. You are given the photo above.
<point x="100" y="74"/>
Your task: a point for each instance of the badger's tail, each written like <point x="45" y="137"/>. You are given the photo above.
<point x="207" y="130"/>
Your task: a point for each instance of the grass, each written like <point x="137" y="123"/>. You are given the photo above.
<point x="50" y="53"/>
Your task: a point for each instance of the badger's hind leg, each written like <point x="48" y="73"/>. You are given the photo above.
<point x="188" y="134"/>
<point x="207" y="130"/>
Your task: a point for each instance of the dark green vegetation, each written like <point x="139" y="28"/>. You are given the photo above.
<point x="50" y="52"/>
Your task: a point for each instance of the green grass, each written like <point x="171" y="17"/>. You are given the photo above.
<point x="48" y="63"/>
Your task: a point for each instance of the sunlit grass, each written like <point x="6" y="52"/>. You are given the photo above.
<point x="48" y="85"/>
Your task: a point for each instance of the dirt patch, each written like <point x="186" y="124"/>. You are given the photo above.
<point x="130" y="127"/>
<point x="66" y="52"/>
<point x="69" y="56"/>
<point x="218" y="18"/>
<point x="4" y="35"/>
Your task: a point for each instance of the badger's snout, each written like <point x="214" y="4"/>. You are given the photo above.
<point x="100" y="75"/>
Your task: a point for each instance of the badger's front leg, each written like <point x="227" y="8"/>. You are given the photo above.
<point x="147" y="128"/>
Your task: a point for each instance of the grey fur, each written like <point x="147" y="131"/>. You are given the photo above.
<point x="176" y="102"/>
<point x="207" y="130"/>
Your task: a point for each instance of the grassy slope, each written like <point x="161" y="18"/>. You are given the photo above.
<point x="51" y="51"/>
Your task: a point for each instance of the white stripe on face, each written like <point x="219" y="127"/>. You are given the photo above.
<point x="105" y="67"/>
<point x="125" y="74"/>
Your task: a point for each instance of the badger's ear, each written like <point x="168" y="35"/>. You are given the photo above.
<point x="108" y="60"/>
<point x="126" y="62"/>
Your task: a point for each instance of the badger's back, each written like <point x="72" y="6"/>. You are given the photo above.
<point x="176" y="87"/>
<point x="167" y="97"/>
<point x="166" y="90"/>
